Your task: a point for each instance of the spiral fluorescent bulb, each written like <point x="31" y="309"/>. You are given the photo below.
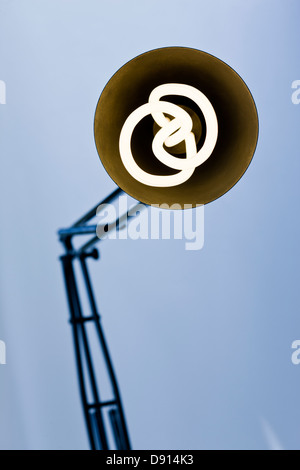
<point x="171" y="133"/>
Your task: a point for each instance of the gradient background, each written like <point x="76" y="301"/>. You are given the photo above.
<point x="201" y="341"/>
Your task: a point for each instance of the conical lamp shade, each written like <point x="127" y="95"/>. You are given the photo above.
<point x="237" y="125"/>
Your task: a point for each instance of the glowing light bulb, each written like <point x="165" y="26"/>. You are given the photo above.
<point x="171" y="133"/>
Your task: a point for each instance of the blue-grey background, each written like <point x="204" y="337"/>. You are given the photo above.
<point x="201" y="341"/>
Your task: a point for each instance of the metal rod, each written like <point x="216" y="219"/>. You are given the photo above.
<point x="106" y="354"/>
<point x="89" y="244"/>
<point x="117" y="430"/>
<point x="110" y="228"/>
<point x="99" y="421"/>
<point x="72" y="296"/>
<point x="127" y="445"/>
<point x="102" y="404"/>
<point x="90" y="214"/>
<point x="79" y="331"/>
<point x="83" y="319"/>
<point x="82" y="230"/>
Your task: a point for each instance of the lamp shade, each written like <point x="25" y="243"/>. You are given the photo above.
<point x="176" y="126"/>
